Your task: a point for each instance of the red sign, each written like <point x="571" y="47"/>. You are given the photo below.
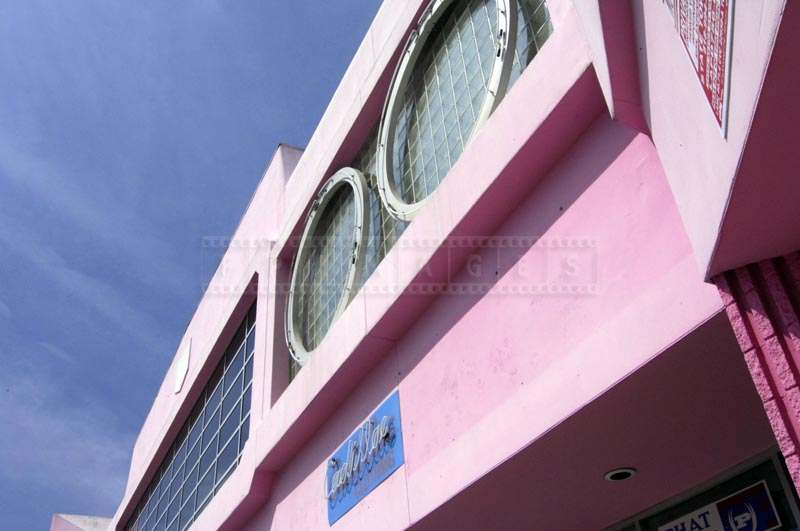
<point x="705" y="27"/>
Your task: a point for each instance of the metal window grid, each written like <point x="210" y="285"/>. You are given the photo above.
<point x="384" y="229"/>
<point x="323" y="275"/>
<point x="533" y="28"/>
<point x="444" y="97"/>
<point x="209" y="444"/>
<point x="437" y="116"/>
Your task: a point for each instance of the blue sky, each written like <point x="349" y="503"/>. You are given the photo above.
<point x="128" y="132"/>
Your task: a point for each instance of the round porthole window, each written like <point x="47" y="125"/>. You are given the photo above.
<point x="328" y="263"/>
<point x="454" y="70"/>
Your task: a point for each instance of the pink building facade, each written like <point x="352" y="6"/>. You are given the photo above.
<point x="587" y="320"/>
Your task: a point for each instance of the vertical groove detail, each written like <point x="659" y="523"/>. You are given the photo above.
<point x="762" y="301"/>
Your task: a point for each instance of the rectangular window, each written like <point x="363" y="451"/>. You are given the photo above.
<point x="208" y="445"/>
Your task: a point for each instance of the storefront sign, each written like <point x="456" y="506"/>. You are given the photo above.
<point x="751" y="509"/>
<point x="706" y="29"/>
<point x="367" y="458"/>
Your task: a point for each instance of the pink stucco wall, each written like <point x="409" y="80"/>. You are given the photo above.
<point x="655" y="420"/>
<point x="761" y="215"/>
<point x="481" y="376"/>
<point x="700" y="163"/>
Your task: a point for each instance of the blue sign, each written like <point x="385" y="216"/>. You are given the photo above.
<point x="365" y="460"/>
<point x="750" y="509"/>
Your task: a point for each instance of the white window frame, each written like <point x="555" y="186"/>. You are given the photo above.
<point x="346" y="177"/>
<point x="496" y="87"/>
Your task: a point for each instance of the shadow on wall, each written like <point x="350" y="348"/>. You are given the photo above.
<point x="622" y="427"/>
<point x="598" y="148"/>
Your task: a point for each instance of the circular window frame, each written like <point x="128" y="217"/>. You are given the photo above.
<point x="496" y="87"/>
<point x="355" y="180"/>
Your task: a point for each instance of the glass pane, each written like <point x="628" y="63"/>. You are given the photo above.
<point x="323" y="275"/>
<point x="188" y="511"/>
<point x="214" y="397"/>
<point x="233" y="368"/>
<point x="177" y="481"/>
<point x="161" y="507"/>
<point x="205" y="487"/>
<point x="194" y="455"/>
<point x="191" y="479"/>
<point x="174" y="507"/>
<point x="208" y="456"/>
<point x="251" y="342"/>
<point x="195" y="432"/>
<point x="212" y="423"/>
<point x="244" y="433"/>
<point x="533" y="29"/>
<point x="246" y="402"/>
<point x="229" y="427"/>
<point x="451" y="73"/>
<point x="228" y="456"/>
<point x="233" y="395"/>
<point x="248" y="372"/>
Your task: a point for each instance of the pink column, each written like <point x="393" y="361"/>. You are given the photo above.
<point x="762" y="301"/>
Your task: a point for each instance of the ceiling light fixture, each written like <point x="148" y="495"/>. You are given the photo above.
<point x="620" y="474"/>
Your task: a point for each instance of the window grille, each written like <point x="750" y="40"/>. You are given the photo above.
<point x="446" y="84"/>
<point x="533" y="29"/>
<point x="208" y="446"/>
<point x="384" y="229"/>
<point x="328" y="263"/>
<point x="456" y="67"/>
